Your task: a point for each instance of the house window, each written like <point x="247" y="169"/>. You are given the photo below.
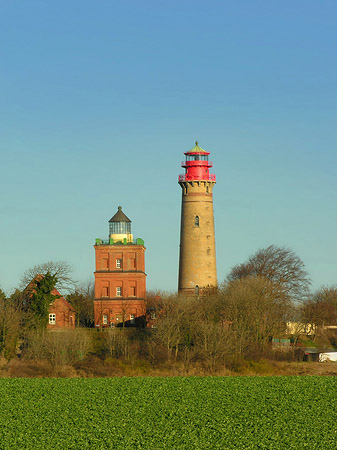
<point x="52" y="319"/>
<point x="105" y="319"/>
<point x="153" y="315"/>
<point x="196" y="221"/>
<point x="118" y="291"/>
<point x="118" y="263"/>
<point x="132" y="319"/>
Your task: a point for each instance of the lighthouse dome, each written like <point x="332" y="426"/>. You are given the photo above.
<point x="196" y="150"/>
<point x="120" y="226"/>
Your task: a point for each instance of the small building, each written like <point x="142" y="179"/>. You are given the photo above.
<point x="120" y="278"/>
<point x="62" y="314"/>
<point x="320" y="355"/>
<point x="300" y="328"/>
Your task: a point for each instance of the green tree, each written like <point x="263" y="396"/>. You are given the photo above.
<point x="42" y="297"/>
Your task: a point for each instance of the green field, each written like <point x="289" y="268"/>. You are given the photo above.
<point x="169" y="413"/>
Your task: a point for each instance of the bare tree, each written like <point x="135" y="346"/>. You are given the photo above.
<point x="320" y="310"/>
<point x="211" y="342"/>
<point x="10" y="318"/>
<point x="82" y="300"/>
<point x="173" y="324"/>
<point x="326" y="294"/>
<point x="116" y="342"/>
<point x="66" y="347"/>
<point x="61" y="269"/>
<point x="279" y="265"/>
<point x="124" y="312"/>
<point x="255" y="312"/>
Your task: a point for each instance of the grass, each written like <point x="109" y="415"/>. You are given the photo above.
<point x="169" y="413"/>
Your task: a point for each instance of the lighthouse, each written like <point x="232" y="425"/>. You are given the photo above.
<point x="120" y="278"/>
<point x="197" y="261"/>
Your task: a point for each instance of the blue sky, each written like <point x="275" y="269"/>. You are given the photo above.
<point x="99" y="100"/>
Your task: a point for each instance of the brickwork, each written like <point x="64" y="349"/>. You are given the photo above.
<point x="197" y="239"/>
<point x="61" y="314"/>
<point x="120" y="285"/>
<point x="125" y="312"/>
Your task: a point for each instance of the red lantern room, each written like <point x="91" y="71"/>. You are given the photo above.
<point x="197" y="165"/>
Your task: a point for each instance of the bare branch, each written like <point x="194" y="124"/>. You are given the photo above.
<point x="279" y="265"/>
<point x="61" y="269"/>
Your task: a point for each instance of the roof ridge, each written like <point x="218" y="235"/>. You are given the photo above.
<point x="119" y="216"/>
<point x="197" y="149"/>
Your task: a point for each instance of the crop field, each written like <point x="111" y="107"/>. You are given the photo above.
<point x="169" y="413"/>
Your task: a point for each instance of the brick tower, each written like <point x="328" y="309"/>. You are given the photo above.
<point x="120" y="279"/>
<point x="197" y="262"/>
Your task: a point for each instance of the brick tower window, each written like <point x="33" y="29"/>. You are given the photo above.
<point x="105" y="261"/>
<point x="132" y="262"/>
<point x="196" y="221"/>
<point x="118" y="291"/>
<point x="118" y="263"/>
<point x="105" y="291"/>
<point x="132" y="291"/>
